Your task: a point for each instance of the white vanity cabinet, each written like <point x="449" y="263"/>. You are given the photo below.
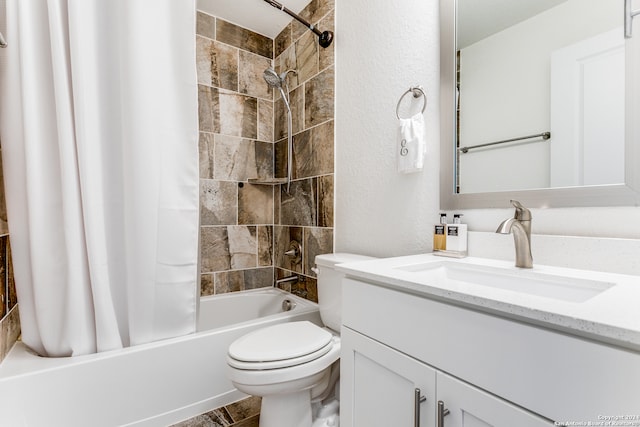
<point x="387" y="388"/>
<point x="486" y="370"/>
<point x="384" y="387"/>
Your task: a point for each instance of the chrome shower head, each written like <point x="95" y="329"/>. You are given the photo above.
<point x="272" y="78"/>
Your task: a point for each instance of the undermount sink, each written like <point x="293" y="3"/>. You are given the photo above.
<point x="452" y="274"/>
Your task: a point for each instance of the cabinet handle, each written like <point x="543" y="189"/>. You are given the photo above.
<point x="418" y="399"/>
<point x="629" y="14"/>
<point x="442" y="412"/>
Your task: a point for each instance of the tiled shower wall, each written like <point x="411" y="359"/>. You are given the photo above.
<point x="236" y="143"/>
<point x="9" y="317"/>
<point x="246" y="228"/>
<point x="305" y="214"/>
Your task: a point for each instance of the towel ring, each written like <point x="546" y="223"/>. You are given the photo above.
<point x="417" y="92"/>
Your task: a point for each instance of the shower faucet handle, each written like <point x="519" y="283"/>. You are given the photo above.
<point x="294" y="249"/>
<point x="294" y="252"/>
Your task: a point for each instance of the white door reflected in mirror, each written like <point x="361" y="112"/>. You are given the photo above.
<point x="540" y="66"/>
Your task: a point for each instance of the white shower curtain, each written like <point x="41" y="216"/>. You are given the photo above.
<point x="98" y="123"/>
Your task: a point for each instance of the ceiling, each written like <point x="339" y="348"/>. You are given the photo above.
<point x="255" y="15"/>
<point x="480" y="19"/>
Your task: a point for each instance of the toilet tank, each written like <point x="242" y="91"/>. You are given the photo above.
<point x="330" y="286"/>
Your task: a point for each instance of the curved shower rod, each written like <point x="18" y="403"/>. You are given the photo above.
<point x="324" y="37"/>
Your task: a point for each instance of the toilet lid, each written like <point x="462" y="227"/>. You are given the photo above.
<point x="293" y="342"/>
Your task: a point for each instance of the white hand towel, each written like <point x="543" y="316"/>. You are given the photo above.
<point x="411" y="144"/>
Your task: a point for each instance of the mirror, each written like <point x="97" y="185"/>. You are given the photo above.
<point x="534" y="69"/>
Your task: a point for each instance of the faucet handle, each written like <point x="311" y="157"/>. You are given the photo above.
<point x="522" y="213"/>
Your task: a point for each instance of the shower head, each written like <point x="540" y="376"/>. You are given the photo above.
<point x="272" y="78"/>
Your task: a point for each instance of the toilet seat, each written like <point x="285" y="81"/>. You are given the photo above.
<point x="277" y="364"/>
<point x="280" y="346"/>
<point x="270" y="377"/>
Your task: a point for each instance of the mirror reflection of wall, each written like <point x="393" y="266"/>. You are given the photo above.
<point x="535" y="66"/>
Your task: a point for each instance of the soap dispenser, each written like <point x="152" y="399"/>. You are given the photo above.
<point x="440" y="234"/>
<point x="457" y="236"/>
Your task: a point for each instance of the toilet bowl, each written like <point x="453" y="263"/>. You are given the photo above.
<point x="288" y="373"/>
<point x="290" y="365"/>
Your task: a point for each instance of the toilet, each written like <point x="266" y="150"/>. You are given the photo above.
<point x="293" y="366"/>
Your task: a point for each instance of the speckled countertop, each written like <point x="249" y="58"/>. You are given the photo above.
<point x="601" y="306"/>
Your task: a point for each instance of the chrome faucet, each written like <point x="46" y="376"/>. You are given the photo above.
<point x="520" y="226"/>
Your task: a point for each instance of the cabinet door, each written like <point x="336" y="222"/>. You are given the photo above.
<point x="378" y="385"/>
<point x="472" y="407"/>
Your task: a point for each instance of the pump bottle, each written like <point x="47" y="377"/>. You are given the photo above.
<point x="456" y="238"/>
<point x="440" y="234"/>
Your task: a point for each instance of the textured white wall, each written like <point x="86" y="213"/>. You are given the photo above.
<point x="381" y="49"/>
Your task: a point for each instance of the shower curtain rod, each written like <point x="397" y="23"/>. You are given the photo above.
<point x="324" y="38"/>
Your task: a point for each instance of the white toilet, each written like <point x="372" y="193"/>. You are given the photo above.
<point x="289" y="365"/>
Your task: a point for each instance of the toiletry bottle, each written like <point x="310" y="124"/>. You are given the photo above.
<point x="440" y="234"/>
<point x="457" y="235"/>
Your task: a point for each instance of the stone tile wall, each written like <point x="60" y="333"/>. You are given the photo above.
<point x="246" y="228"/>
<point x="305" y="214"/>
<point x="9" y="317"/>
<point x="236" y="143"/>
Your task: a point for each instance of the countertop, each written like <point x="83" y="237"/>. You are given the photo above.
<point x="611" y="317"/>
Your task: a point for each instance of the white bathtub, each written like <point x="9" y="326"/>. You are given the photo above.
<point x="155" y="384"/>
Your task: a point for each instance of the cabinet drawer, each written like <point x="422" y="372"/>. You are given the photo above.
<point x="561" y="377"/>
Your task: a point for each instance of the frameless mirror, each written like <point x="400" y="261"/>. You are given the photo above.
<point x="536" y="104"/>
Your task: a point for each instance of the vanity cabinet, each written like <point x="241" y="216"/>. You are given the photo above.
<point x="387" y="388"/>
<point x="487" y="370"/>
<point x="384" y="387"/>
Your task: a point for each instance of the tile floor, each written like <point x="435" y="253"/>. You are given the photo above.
<point x="244" y="413"/>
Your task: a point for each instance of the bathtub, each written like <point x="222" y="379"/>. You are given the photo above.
<point x="154" y="384"/>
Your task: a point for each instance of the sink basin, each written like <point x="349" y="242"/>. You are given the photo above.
<point x="454" y="275"/>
